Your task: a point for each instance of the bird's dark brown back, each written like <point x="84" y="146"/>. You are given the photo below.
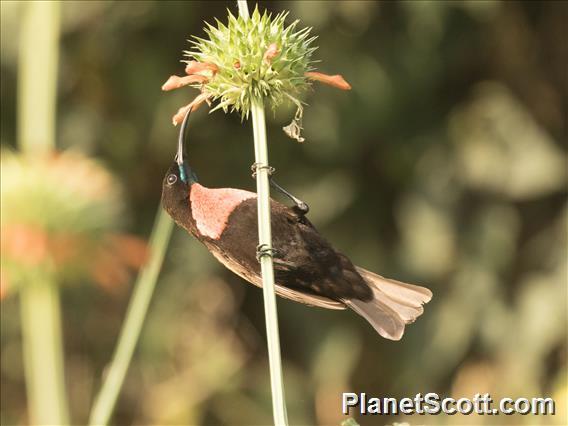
<point x="303" y="259"/>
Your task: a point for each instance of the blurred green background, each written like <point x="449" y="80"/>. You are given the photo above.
<point x="445" y="166"/>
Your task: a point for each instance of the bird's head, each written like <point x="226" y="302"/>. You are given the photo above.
<point x="178" y="179"/>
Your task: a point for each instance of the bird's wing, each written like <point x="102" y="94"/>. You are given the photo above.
<point x="253" y="277"/>
<point x="306" y="261"/>
<point x="306" y="268"/>
<point x="309" y="299"/>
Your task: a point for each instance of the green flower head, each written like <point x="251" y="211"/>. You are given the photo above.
<point x="259" y="57"/>
<point x="248" y="59"/>
<point x="60" y="215"/>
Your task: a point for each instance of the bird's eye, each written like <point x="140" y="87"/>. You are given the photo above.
<point x="172" y="179"/>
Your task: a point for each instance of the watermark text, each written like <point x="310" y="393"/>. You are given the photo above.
<point x="432" y="403"/>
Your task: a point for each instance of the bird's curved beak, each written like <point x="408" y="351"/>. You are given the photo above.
<point x="184" y="171"/>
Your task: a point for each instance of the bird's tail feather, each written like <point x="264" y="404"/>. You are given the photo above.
<point x="394" y="304"/>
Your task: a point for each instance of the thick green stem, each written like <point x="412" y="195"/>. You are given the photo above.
<point x="37" y="76"/>
<point x="43" y="353"/>
<point x="266" y="266"/>
<point x="39" y="298"/>
<point x="265" y="242"/>
<point x="136" y="313"/>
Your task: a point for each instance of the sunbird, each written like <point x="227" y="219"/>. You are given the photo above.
<point x="307" y="269"/>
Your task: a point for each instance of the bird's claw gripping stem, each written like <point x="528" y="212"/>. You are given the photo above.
<point x="300" y="206"/>
<point x="263" y="250"/>
<point x="258" y="166"/>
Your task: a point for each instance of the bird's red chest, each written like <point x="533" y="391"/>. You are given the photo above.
<point x="211" y="207"/>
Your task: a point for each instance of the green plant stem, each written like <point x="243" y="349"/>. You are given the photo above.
<point x="266" y="265"/>
<point x="43" y="353"/>
<point x="37" y="76"/>
<point x="243" y="8"/>
<point x="136" y="313"/>
<point x="39" y="297"/>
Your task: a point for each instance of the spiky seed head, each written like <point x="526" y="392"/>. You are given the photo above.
<point x="59" y="215"/>
<point x="259" y="57"/>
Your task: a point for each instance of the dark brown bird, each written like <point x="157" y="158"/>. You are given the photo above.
<point x="307" y="268"/>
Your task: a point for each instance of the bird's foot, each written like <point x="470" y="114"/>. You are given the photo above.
<point x="264" y="250"/>
<point x="259" y="166"/>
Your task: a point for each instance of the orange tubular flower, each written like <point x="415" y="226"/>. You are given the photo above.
<point x="193" y="106"/>
<point x="27" y="243"/>
<point x="195" y="67"/>
<point x="175" y="82"/>
<point x="332" y="80"/>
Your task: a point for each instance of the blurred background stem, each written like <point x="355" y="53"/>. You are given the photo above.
<point x="40" y="305"/>
<point x="37" y="76"/>
<point x="265" y="241"/>
<point x="137" y="309"/>
<point x="43" y="354"/>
